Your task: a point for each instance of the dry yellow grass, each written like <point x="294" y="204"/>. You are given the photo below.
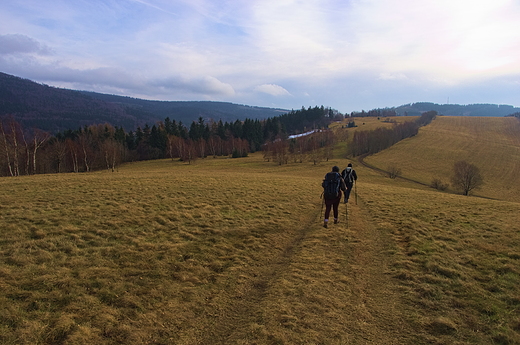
<point x="371" y="123"/>
<point x="154" y="253"/>
<point x="492" y="144"/>
<point x="229" y="251"/>
<point x="457" y="259"/>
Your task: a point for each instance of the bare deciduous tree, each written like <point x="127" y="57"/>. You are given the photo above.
<point x="280" y="151"/>
<point x="213" y="145"/>
<point x="14" y="141"/>
<point x="39" y="138"/>
<point x="316" y="154"/>
<point x="6" y="148"/>
<point x="466" y="177"/>
<point x="73" y="149"/>
<point x="329" y="139"/>
<point x="85" y="143"/>
<point x="393" y="171"/>
<point x="112" y="153"/>
<point x="59" y="153"/>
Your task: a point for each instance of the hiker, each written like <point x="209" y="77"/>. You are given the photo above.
<point x="350" y="177"/>
<point x="332" y="185"/>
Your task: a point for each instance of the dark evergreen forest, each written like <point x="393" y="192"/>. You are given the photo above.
<point x="53" y="109"/>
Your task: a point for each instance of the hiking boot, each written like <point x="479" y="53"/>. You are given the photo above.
<point x="335" y="221"/>
<point x="346" y="200"/>
<point x="325" y="224"/>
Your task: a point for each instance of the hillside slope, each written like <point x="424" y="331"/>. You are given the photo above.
<point x="53" y="109"/>
<point x="188" y="111"/>
<point x="492" y="144"/>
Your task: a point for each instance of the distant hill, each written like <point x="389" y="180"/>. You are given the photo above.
<point x="495" y="110"/>
<point x="188" y="111"/>
<point x="54" y="109"/>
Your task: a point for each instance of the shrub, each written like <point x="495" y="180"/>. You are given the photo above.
<point x="438" y="184"/>
<point x="393" y="171"/>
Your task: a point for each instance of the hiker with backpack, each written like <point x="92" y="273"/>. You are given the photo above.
<point x="350" y="177"/>
<point x="332" y="185"/>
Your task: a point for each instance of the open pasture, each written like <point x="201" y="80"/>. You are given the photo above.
<point x="138" y="256"/>
<point x="371" y="123"/>
<point x="492" y="144"/>
<point x="232" y="251"/>
<point x="457" y="261"/>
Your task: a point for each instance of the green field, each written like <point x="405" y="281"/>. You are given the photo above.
<point x="232" y="251"/>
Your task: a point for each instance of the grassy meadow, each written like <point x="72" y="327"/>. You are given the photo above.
<point x="492" y="144"/>
<point x="232" y="251"/>
<point x="457" y="259"/>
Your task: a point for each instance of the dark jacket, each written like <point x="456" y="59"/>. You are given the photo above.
<point x="346" y="171"/>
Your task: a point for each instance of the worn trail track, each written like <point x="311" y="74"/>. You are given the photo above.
<point x="378" y="313"/>
<point x="370" y="311"/>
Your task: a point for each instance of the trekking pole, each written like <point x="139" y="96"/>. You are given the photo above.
<point x="346" y="213"/>
<point x="322" y="203"/>
<point x="355" y="190"/>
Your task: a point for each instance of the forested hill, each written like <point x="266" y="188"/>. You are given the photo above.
<point x="416" y="109"/>
<point x="189" y="111"/>
<point x="54" y="109"/>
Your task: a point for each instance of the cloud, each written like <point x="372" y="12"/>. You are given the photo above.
<point x="150" y="4"/>
<point x="453" y="40"/>
<point x="393" y="76"/>
<point x="273" y="90"/>
<point x="14" y="44"/>
<point x="211" y="85"/>
<point x="351" y="54"/>
<point x="207" y="86"/>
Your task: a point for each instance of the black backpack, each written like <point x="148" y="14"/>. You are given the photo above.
<point x="331" y="185"/>
<point x="347" y="175"/>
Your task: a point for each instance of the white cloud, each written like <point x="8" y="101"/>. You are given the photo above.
<point x="272" y="89"/>
<point x="393" y="76"/>
<point x="209" y="87"/>
<point x="212" y="85"/>
<point x="454" y="39"/>
<point x="337" y="53"/>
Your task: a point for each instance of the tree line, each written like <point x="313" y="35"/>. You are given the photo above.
<point x="385" y="112"/>
<point x="103" y="146"/>
<point x="370" y="142"/>
<point x="314" y="147"/>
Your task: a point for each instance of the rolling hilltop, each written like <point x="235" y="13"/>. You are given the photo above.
<point x="495" y="110"/>
<point x="53" y="109"/>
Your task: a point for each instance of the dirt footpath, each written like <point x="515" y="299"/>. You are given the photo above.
<point x="379" y="314"/>
<point x="326" y="286"/>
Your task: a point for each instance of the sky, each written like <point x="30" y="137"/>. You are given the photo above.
<point x="350" y="55"/>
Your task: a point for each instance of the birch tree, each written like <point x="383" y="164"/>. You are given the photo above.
<point x="39" y="138"/>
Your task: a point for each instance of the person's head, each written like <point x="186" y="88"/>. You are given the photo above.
<point x="335" y="169"/>
<point x="349" y="165"/>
